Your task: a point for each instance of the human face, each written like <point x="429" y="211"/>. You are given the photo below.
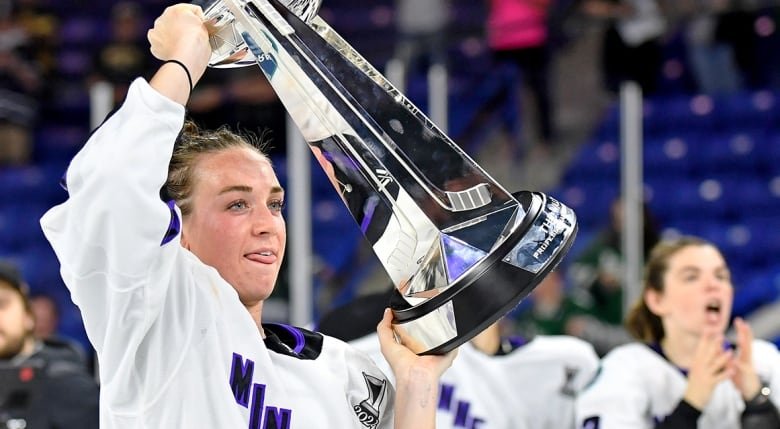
<point x="697" y="293"/>
<point x="236" y="223"/>
<point x="45" y="314"/>
<point x="16" y="323"/>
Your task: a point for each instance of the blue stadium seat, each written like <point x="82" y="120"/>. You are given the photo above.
<point x="688" y="198"/>
<point x="28" y="185"/>
<point x="671" y="114"/>
<point x="735" y="152"/>
<point x="56" y="145"/>
<point x="19" y="225"/>
<point x="761" y="288"/>
<point x="590" y="201"/>
<point x="668" y="156"/>
<point x="754" y="109"/>
<point x="597" y="161"/>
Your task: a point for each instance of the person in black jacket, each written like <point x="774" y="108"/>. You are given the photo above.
<point x="44" y="384"/>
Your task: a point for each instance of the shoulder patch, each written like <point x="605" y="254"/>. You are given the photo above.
<point x="368" y="410"/>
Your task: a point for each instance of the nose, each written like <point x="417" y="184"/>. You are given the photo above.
<point x="262" y="221"/>
<point x="716" y="283"/>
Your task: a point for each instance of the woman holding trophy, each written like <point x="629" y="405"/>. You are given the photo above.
<point x="172" y="294"/>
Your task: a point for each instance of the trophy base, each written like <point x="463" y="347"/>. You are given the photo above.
<point x="476" y="301"/>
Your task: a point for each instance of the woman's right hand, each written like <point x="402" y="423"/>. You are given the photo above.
<point x="181" y="34"/>
<point x="711" y="364"/>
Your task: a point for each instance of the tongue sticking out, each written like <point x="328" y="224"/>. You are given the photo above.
<point x="261" y="257"/>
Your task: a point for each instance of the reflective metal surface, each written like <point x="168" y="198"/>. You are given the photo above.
<point x="439" y="224"/>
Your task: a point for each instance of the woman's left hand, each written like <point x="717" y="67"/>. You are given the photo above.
<point x="745" y="377"/>
<point x="397" y="349"/>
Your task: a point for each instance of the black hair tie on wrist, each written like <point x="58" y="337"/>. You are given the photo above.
<point x="186" y="70"/>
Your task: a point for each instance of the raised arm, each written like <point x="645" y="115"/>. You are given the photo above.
<point x="168" y="43"/>
<point x="108" y="234"/>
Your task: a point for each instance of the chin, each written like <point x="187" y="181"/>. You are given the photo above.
<point x="258" y="292"/>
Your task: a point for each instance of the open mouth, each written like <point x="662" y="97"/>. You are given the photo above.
<point x="713" y="307"/>
<point x="713" y="310"/>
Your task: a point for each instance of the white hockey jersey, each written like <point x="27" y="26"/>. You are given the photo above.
<point x="531" y="386"/>
<point x="637" y="387"/>
<point x="176" y="347"/>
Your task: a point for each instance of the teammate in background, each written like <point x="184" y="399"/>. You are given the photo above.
<point x="596" y="276"/>
<point x="495" y="383"/>
<point x="44" y="384"/>
<point x="683" y="373"/>
<point x="172" y="295"/>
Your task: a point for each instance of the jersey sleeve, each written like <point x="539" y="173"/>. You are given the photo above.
<point x="370" y="391"/>
<point x="585" y="360"/>
<point x="766" y="359"/>
<point x="107" y="235"/>
<point x="614" y="399"/>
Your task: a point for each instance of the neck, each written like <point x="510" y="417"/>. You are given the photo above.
<point x="680" y="348"/>
<point x="28" y="348"/>
<point x="256" y="311"/>
<point x="489" y="340"/>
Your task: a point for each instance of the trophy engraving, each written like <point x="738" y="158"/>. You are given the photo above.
<point x="460" y="249"/>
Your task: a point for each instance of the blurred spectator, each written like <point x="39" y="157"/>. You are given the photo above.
<point x="126" y="55"/>
<point x="517" y="33"/>
<point x="42" y="25"/>
<point x="422" y="27"/>
<point x="597" y="271"/>
<point x="736" y="29"/>
<point x="241" y="98"/>
<point x="43" y="383"/>
<point x="551" y="308"/>
<point x="46" y="314"/>
<point x="20" y="84"/>
<point x="632" y="46"/>
<point x="597" y="280"/>
<point x="712" y="60"/>
<point x="556" y="312"/>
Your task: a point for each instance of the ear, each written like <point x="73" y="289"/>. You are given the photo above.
<point x="655" y="301"/>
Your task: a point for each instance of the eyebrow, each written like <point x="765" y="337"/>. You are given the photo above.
<point x="244" y="188"/>
<point x="691" y="268"/>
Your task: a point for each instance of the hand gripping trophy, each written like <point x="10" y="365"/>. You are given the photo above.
<point x="460" y="249"/>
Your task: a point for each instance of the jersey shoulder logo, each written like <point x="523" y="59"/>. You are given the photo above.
<point x="568" y="388"/>
<point x="368" y="410"/>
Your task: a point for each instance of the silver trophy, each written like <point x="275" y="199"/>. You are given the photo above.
<point x="460" y="249"/>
